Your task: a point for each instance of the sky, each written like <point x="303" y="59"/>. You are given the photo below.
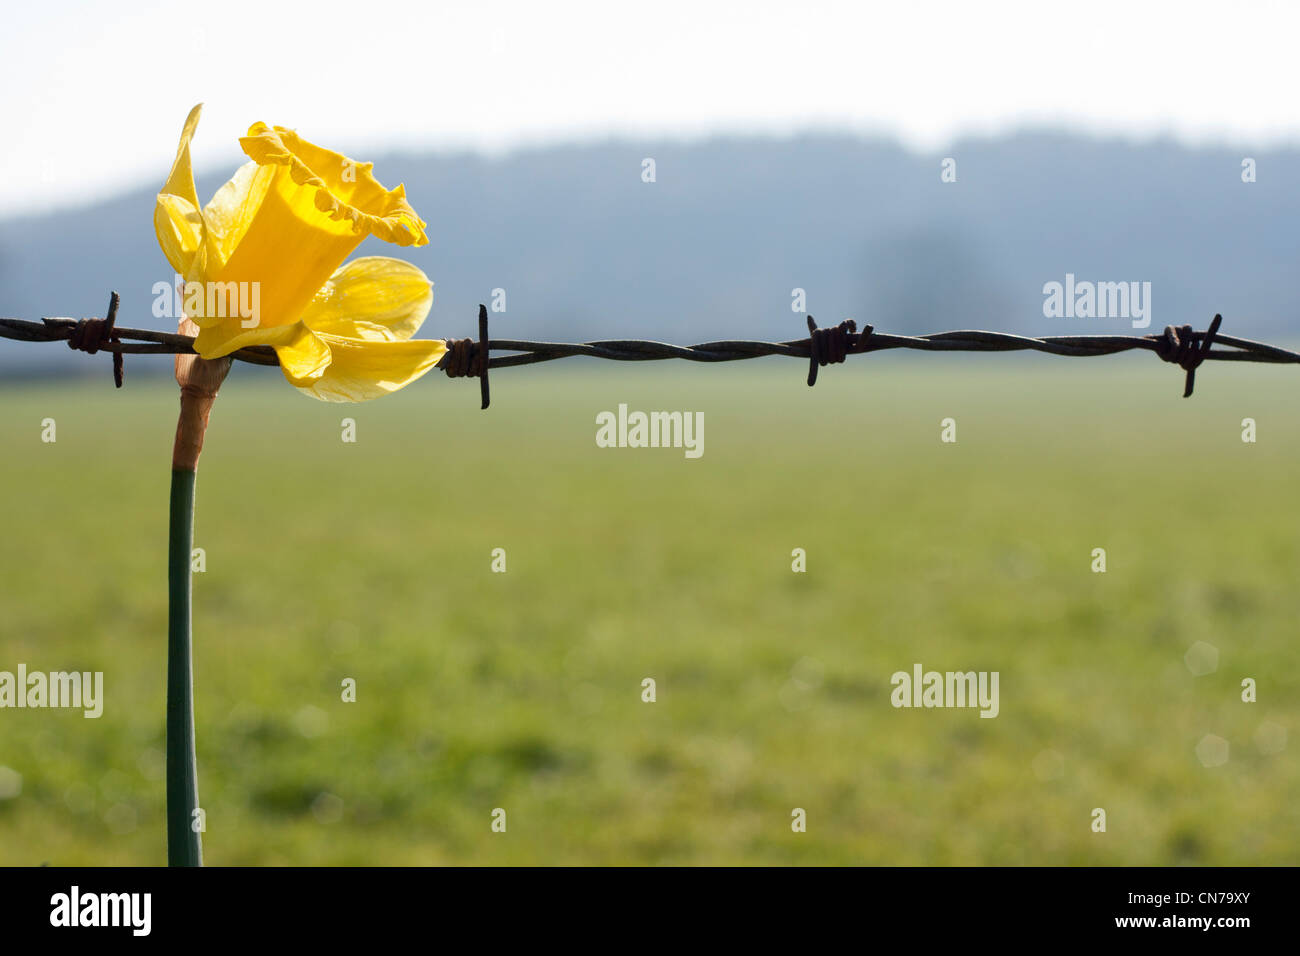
<point x="95" y="93"/>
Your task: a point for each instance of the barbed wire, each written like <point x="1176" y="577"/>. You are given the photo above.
<point x="1180" y="345"/>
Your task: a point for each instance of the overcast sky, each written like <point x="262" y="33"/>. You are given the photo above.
<point x="95" y="93"/>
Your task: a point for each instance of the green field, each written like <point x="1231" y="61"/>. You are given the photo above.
<point x="328" y="560"/>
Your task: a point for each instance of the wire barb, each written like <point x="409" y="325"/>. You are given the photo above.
<point x="466" y="358"/>
<point x="1179" y="346"/>
<point x="827" y="346"/>
<point x="90" y="335"/>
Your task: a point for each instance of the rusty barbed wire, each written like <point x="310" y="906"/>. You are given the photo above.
<point x="1180" y="345"/>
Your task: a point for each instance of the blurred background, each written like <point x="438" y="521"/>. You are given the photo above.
<point x="795" y="146"/>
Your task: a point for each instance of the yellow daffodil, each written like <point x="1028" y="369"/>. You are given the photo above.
<point x="262" y="264"/>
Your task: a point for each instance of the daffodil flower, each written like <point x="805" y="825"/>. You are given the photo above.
<point x="283" y="226"/>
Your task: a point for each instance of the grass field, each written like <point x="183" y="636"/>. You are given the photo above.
<point x="476" y="690"/>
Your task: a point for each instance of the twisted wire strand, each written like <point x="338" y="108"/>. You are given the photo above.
<point x="1225" y="348"/>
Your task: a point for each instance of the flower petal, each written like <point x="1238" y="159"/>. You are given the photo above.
<point x="359" y="371"/>
<point x="303" y="354"/>
<point x="176" y="216"/>
<point x="373" y="298"/>
<point x="230" y="212"/>
<point x="180" y="181"/>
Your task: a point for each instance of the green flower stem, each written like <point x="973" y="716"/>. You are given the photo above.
<point x="199" y="380"/>
<point x="184" y="843"/>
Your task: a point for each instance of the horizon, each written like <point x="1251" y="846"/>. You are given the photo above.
<point x="215" y="170"/>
